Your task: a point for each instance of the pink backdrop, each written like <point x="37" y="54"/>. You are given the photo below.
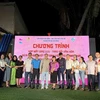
<point x="52" y="45"/>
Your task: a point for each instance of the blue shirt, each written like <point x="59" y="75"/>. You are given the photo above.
<point x="36" y="63"/>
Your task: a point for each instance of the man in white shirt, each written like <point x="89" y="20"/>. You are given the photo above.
<point x="91" y="71"/>
<point x="27" y="69"/>
<point x="68" y="71"/>
<point x="75" y="68"/>
<point x="98" y="74"/>
<point x="97" y="58"/>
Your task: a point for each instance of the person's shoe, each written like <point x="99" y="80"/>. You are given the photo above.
<point x="53" y="88"/>
<point x="7" y="86"/>
<point x="20" y="86"/>
<point x="42" y="88"/>
<point x="17" y="86"/>
<point x="37" y="87"/>
<point x="46" y="88"/>
<point x="98" y="89"/>
<point x="71" y="88"/>
<point x="89" y="89"/>
<point x="75" y="88"/>
<point x="32" y="87"/>
<point x="25" y="86"/>
<point x="29" y="86"/>
<point x="67" y="87"/>
<point x="63" y="87"/>
<point x="94" y="90"/>
<point x="59" y="87"/>
<point x="82" y="89"/>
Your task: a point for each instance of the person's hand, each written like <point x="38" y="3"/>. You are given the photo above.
<point x="71" y="72"/>
<point x="82" y="68"/>
<point x="75" y="68"/>
<point x="2" y="69"/>
<point x="24" y="69"/>
<point x="86" y="72"/>
<point x="40" y="72"/>
<point x="64" y="72"/>
<point x="32" y="71"/>
<point x="10" y="66"/>
<point x="16" y="67"/>
<point x="52" y="70"/>
<point x="95" y="74"/>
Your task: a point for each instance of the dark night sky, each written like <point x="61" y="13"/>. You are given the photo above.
<point x="39" y="17"/>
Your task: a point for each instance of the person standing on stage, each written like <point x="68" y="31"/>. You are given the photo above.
<point x="97" y="58"/>
<point x="82" y="70"/>
<point x="75" y="69"/>
<point x="69" y="72"/>
<point x="91" y="71"/>
<point x="36" y="70"/>
<point x="19" y="70"/>
<point x="7" y="73"/>
<point x="61" y="69"/>
<point x="98" y="74"/>
<point x="27" y="70"/>
<point x="13" y="71"/>
<point x="2" y="69"/>
<point x="54" y="65"/>
<point x="44" y="71"/>
<point x="97" y="55"/>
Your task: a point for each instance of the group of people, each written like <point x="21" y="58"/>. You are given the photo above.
<point x="12" y="68"/>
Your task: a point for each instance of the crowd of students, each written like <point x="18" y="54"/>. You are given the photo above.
<point x="12" y="68"/>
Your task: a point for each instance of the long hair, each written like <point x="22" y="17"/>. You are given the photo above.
<point x="75" y="56"/>
<point x="13" y="58"/>
<point x="8" y="55"/>
<point x="54" y="57"/>
<point x="83" y="59"/>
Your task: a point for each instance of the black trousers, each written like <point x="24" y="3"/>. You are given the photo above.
<point x="1" y="77"/>
<point x="91" y="82"/>
<point x="69" y="78"/>
<point x="35" y="74"/>
<point x="61" y="71"/>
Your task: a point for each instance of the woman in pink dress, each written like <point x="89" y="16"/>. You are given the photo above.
<point x="53" y="72"/>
